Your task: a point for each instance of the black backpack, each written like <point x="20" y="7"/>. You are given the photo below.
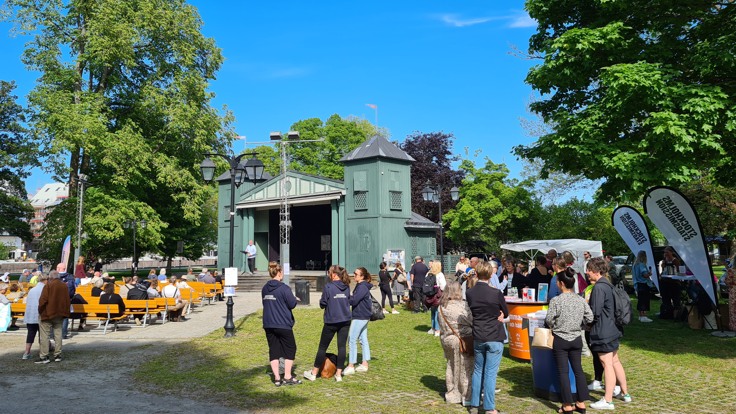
<point x="429" y="288"/>
<point x="138" y="292"/>
<point x="622" y="309"/>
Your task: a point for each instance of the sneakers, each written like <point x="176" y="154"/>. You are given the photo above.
<point x="431" y="331"/>
<point x="394" y="311"/>
<point x="26" y="356"/>
<point x="44" y="360"/>
<point x="645" y="319"/>
<point x="595" y="386"/>
<point x="137" y="321"/>
<point x="436" y="333"/>
<point x="385" y="312"/>
<point x="616" y="390"/>
<point x="57" y="358"/>
<point x="361" y="368"/>
<point x="291" y="381"/>
<point x="338" y="378"/>
<point x="348" y="371"/>
<point x="602" y="404"/>
<point x="623" y="397"/>
<point x="308" y="375"/>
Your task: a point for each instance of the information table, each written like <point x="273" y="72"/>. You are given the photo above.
<point x="519" y="326"/>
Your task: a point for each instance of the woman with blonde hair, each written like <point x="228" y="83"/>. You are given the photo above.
<point x="432" y="302"/>
<point x="79" y="271"/>
<point x="455" y="322"/>
<point x="278" y="323"/>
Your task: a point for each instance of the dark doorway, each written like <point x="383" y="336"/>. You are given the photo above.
<point x="309" y="224"/>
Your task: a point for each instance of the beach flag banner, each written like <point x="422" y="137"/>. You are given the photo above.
<point x="675" y="217"/>
<point x="633" y="229"/>
<point x="66" y="249"/>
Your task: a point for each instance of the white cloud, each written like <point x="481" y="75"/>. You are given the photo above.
<point x="518" y="20"/>
<point x="455" y="21"/>
<point x="522" y="20"/>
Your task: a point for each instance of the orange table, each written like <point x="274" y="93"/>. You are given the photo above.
<point x="519" y="331"/>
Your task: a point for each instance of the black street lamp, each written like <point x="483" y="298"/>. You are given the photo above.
<point x="434" y="194"/>
<point x="239" y="172"/>
<point x="133" y="224"/>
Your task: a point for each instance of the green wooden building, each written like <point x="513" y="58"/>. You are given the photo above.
<point x="356" y="222"/>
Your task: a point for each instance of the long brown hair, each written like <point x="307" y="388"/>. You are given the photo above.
<point x="273" y="269"/>
<point x="340" y="271"/>
<point x="365" y="273"/>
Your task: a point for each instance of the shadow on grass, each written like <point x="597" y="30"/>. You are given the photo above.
<point x="435" y="384"/>
<point x="522" y="384"/>
<point x="422" y="328"/>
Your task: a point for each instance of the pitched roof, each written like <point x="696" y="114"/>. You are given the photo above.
<point x="374" y="147"/>
<point x="420" y="223"/>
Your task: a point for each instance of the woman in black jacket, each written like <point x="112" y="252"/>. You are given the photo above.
<point x="384" y="284"/>
<point x="278" y="322"/>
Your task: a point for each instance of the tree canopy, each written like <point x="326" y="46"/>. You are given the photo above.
<point x="639" y="93"/>
<point x="17" y="155"/>
<point x="123" y="93"/>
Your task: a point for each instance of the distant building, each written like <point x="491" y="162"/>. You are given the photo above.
<point x="48" y="197"/>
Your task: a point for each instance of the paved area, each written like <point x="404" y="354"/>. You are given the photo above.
<point x="95" y="374"/>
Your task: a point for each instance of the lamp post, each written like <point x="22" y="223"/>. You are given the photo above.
<point x="434" y="194"/>
<point x="133" y="224"/>
<point x="81" y="183"/>
<point x="239" y="172"/>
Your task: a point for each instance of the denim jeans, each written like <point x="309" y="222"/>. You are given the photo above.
<point x="435" y="318"/>
<point x="487" y="360"/>
<point x="358" y="330"/>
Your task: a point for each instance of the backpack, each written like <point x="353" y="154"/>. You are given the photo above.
<point x="429" y="288"/>
<point x="138" y="292"/>
<point x="376" y="310"/>
<point x="622" y="309"/>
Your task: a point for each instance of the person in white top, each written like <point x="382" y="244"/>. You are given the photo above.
<point x="31" y="315"/>
<point x="462" y="264"/>
<point x="171" y="290"/>
<point x="251" y="252"/>
<point x="435" y="268"/>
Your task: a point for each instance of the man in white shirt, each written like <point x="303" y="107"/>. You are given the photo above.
<point x="251" y="252"/>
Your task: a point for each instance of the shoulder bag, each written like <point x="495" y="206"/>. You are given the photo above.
<point x="466" y="342"/>
<point x="543" y="338"/>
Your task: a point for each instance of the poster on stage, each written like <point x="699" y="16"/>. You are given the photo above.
<point x="231" y="276"/>
<point x="675" y="217"/>
<point x="632" y="228"/>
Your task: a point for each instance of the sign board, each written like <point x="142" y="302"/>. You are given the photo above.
<point x="231" y="276"/>
<point x="326" y="242"/>
<point x="392" y="256"/>
<point x="180" y="246"/>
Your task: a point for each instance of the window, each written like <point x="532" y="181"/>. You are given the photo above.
<point x="227" y="213"/>
<point x="394" y="199"/>
<point x="361" y="200"/>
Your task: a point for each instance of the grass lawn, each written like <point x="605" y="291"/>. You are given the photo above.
<point x="670" y="369"/>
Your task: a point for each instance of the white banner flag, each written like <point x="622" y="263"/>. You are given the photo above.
<point x="633" y="229"/>
<point x="675" y="217"/>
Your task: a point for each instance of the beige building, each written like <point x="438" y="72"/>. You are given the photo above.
<point x="48" y="197"/>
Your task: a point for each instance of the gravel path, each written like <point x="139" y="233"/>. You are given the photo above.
<point x="95" y="375"/>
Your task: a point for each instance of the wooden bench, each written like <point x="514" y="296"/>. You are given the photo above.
<point x="17" y="309"/>
<point x="206" y="291"/>
<point x="99" y="312"/>
<point x="142" y="307"/>
<point x="163" y="304"/>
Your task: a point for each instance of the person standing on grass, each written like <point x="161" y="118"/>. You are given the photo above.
<point x="604" y="335"/>
<point x="336" y="303"/>
<point x="399" y="286"/>
<point x="53" y="309"/>
<point x="362" y="309"/>
<point x="567" y="313"/>
<point x="456" y="321"/>
<point x="641" y="274"/>
<point x="384" y="284"/>
<point x="417" y="273"/>
<point x="278" y="322"/>
<point x="435" y="268"/>
<point x="489" y="309"/>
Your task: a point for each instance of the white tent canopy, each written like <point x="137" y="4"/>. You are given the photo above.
<point x="575" y="246"/>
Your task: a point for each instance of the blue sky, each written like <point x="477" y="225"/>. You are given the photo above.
<point x="427" y="65"/>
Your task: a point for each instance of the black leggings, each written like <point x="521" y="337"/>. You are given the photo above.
<point x="571" y="351"/>
<point x="328" y="332"/>
<point x="32" y="331"/>
<point x="597" y="365"/>
<point x="386" y="291"/>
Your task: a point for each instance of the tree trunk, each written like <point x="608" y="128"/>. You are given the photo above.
<point x="168" y="265"/>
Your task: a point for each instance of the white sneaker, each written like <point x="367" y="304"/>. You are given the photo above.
<point x="385" y="311"/>
<point x="431" y="331"/>
<point x="308" y="375"/>
<point x="436" y="333"/>
<point x="616" y="390"/>
<point x="595" y="386"/>
<point x="645" y="319"/>
<point x="395" y="312"/>
<point x="361" y="368"/>
<point x="602" y="404"/>
<point x="348" y="371"/>
<point x="338" y="378"/>
<point x="623" y="397"/>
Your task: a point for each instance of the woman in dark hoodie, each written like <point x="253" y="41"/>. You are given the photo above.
<point x="278" y="321"/>
<point x="336" y="303"/>
<point x="361" y="303"/>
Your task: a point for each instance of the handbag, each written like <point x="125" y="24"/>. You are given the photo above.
<point x="466" y="342"/>
<point x="329" y="367"/>
<point x="376" y="309"/>
<point x="543" y="338"/>
<point x="401" y="278"/>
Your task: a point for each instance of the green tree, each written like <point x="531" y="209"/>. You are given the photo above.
<point x="123" y="93"/>
<point x="17" y="155"/>
<point x="639" y="93"/>
<point x="491" y="210"/>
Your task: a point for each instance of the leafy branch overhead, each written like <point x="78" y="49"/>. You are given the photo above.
<point x="639" y="93"/>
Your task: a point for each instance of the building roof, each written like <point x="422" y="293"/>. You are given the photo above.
<point x="50" y="195"/>
<point x="418" y="222"/>
<point x="377" y="146"/>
